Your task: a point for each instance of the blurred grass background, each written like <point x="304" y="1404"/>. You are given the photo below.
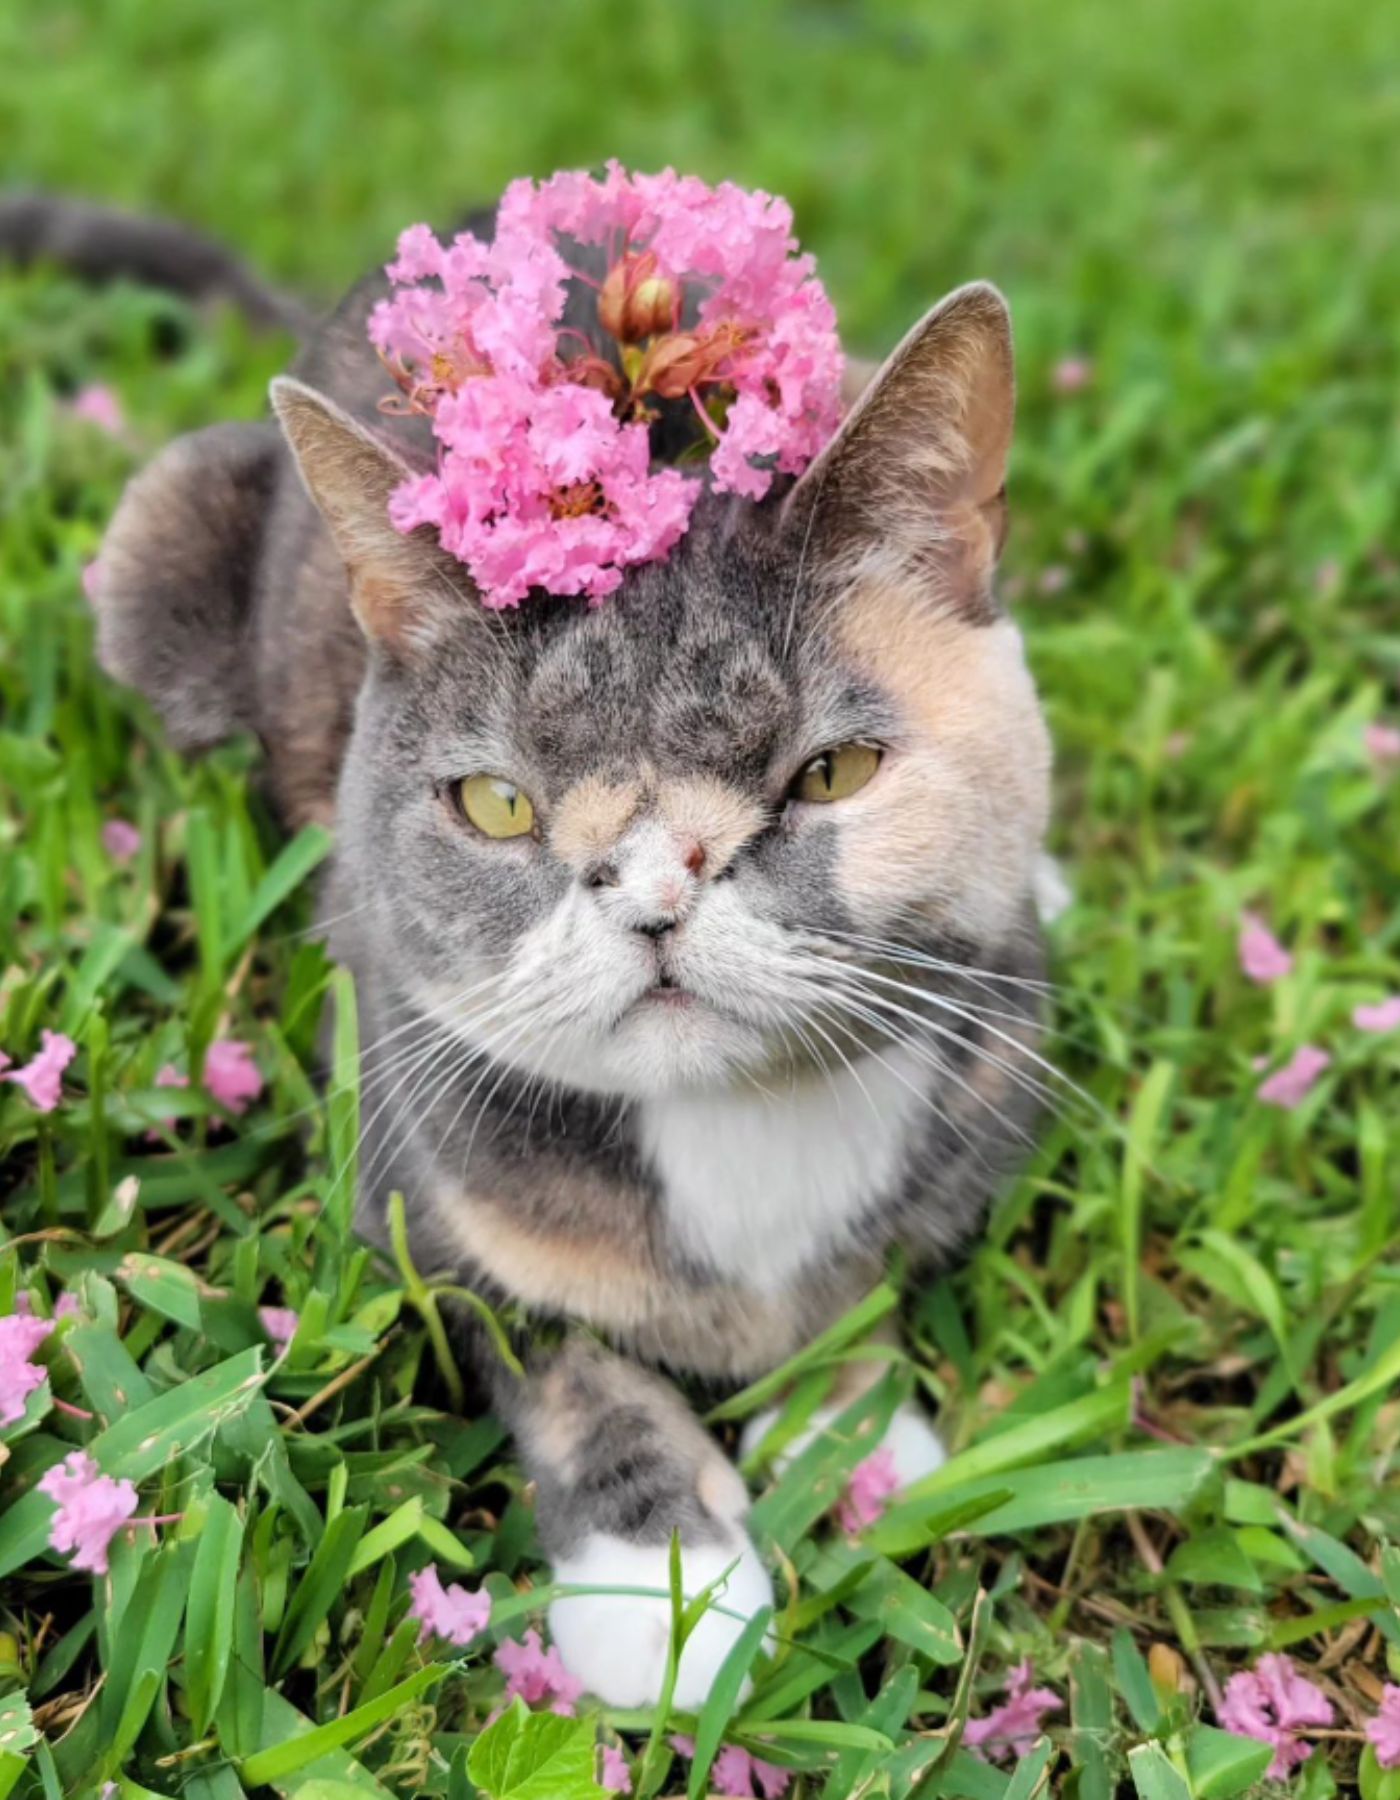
<point x="1196" y="202"/>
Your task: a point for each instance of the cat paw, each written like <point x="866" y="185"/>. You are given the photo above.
<point x="616" y="1644"/>
<point x="914" y="1444"/>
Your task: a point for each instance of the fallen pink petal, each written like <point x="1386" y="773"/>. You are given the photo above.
<point x="280" y="1323"/>
<point x="230" y="1075"/>
<point x="20" y="1336"/>
<point x="537" y="1676"/>
<point x="90" y="1509"/>
<point x="42" y="1078"/>
<point x="1383" y="1732"/>
<point x="450" y="1612"/>
<point x="1262" y="957"/>
<point x="1382" y="743"/>
<point x="1009" y="1730"/>
<point x="1383" y="1016"/>
<point x="99" y="405"/>
<point x="1289" y="1086"/>
<point x="616" y="1777"/>
<point x="1071" y="375"/>
<point x="1273" y="1704"/>
<point x="734" y="1771"/>
<point x="870" y="1486"/>
<point x="120" y="839"/>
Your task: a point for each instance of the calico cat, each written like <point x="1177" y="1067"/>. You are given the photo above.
<point x="693" y="934"/>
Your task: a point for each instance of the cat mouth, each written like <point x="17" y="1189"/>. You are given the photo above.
<point x="667" y="992"/>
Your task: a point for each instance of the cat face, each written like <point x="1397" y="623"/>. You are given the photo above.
<point x="645" y="847"/>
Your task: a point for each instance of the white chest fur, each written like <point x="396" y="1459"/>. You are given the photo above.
<point x="758" y="1185"/>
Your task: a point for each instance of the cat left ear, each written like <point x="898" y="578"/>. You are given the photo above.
<point x="401" y="583"/>
<point x="914" y="483"/>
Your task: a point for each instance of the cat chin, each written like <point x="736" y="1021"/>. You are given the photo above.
<point x="655" y="1050"/>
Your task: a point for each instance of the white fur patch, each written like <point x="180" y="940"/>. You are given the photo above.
<point x="1049" y="885"/>
<point x="616" y="1643"/>
<point x="916" y="1446"/>
<point x="757" y="1185"/>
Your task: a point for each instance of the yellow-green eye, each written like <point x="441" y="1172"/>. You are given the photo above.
<point x="836" y="774"/>
<point x="496" y="806"/>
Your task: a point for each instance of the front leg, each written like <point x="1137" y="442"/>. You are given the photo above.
<point x="620" y="1463"/>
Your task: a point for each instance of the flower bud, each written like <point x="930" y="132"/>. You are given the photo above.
<point x="675" y="363"/>
<point x="636" y="302"/>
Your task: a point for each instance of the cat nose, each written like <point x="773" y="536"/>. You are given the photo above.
<point x="656" y="928"/>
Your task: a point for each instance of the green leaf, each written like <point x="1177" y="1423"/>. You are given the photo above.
<point x="534" y="1756"/>
<point x="908" y="1612"/>
<point x="139" y="1443"/>
<point x="209" y="1624"/>
<point x="1135" y="1682"/>
<point x="723" y="1696"/>
<point x="1032" y="1772"/>
<point x="1155" y="1776"/>
<point x="856" y="1324"/>
<point x="297" y="1742"/>
<point x="294" y="863"/>
<point x="1091" y="1709"/>
<point x="321" y="1585"/>
<point x="1221" y="1764"/>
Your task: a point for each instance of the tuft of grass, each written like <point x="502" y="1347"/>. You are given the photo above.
<point x="1170" y="1375"/>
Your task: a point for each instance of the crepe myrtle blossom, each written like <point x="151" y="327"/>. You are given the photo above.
<point x="1290" y="1085"/>
<point x="20" y="1336"/>
<point x="1383" y="1016"/>
<point x="90" y="1509"/>
<point x="99" y="405"/>
<point x="735" y="1771"/>
<point x="1009" y="1730"/>
<point x="230" y="1075"/>
<point x="280" y="1323"/>
<point x="41" y="1078"/>
<point x="1383" y="1732"/>
<point x="614" y="1775"/>
<point x="1273" y="1703"/>
<point x="1262" y="957"/>
<point x="120" y="839"/>
<point x="1071" y="375"/>
<point x="537" y="1676"/>
<point x="1382" y="744"/>
<point x="870" y="1486"/>
<point x="544" y="476"/>
<point x="450" y="1612"/>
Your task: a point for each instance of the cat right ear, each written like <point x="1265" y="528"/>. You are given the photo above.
<point x="402" y="584"/>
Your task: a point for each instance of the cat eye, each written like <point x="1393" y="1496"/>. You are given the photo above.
<point x="495" y="806"/>
<point x="836" y="773"/>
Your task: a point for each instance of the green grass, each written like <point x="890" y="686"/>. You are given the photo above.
<point x="1200" y="199"/>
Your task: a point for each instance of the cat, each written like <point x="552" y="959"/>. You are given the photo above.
<point x="694" y="934"/>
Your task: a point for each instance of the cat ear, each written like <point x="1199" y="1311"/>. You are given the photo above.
<point x="914" y="481"/>
<point x="403" y="585"/>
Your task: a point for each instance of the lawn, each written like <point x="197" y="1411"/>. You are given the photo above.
<point x="1172" y="1373"/>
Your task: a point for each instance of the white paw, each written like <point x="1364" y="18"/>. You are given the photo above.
<point x="915" y="1445"/>
<point x="1051" y="890"/>
<point x="616" y="1643"/>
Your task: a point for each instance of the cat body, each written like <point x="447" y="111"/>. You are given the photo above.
<point x="679" y="1066"/>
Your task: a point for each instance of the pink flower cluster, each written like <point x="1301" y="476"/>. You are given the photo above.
<point x="20" y="1337"/>
<point x="1009" y="1730"/>
<point x="537" y="1676"/>
<point x="42" y="1077"/>
<point x="1273" y="1703"/>
<point x="870" y="1486"/>
<point x="544" y="477"/>
<point x="450" y="1612"/>
<point x="1383" y="1732"/>
<point x="1264" y="960"/>
<point x="735" y="1772"/>
<point x="91" y="1509"/>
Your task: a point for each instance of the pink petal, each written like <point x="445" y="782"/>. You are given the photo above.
<point x="1071" y="375"/>
<point x="616" y="1776"/>
<point x="41" y="1078"/>
<point x="20" y="1336"/>
<point x="90" y="1509"/>
<point x="870" y="1486"/>
<point x="450" y="1612"/>
<point x="230" y="1075"/>
<point x="120" y="839"/>
<point x="92" y="578"/>
<point x="98" y="405"/>
<point x="1383" y="1016"/>
<point x="1382" y="743"/>
<point x="1289" y="1086"/>
<point x="537" y="1675"/>
<point x="280" y="1323"/>
<point x="1262" y="957"/>
<point x="1383" y="1732"/>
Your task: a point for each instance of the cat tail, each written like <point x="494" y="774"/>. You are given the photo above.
<point x="104" y="243"/>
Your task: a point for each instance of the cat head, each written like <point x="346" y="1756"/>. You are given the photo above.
<point x="631" y="848"/>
